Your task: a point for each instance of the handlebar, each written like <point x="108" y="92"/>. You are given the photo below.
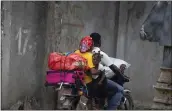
<point x="126" y="78"/>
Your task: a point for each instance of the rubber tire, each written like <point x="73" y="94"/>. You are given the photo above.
<point x="129" y="98"/>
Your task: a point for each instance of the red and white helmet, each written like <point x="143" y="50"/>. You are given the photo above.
<point x="86" y="44"/>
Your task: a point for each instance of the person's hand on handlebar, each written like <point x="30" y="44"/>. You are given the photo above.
<point x="122" y="68"/>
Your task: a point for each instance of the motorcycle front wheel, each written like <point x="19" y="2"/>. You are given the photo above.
<point x="127" y="103"/>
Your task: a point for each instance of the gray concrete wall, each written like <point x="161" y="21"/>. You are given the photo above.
<point x="25" y="40"/>
<point x="23" y="50"/>
<point x="68" y="22"/>
<point x="145" y="57"/>
<point x="29" y="35"/>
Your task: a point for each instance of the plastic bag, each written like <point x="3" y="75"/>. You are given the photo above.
<point x="58" y="61"/>
<point x="108" y="72"/>
<point x="118" y="62"/>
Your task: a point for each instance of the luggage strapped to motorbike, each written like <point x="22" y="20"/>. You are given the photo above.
<point x="61" y="77"/>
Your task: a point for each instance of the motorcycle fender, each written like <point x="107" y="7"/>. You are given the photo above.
<point x="127" y="91"/>
<point x="124" y="99"/>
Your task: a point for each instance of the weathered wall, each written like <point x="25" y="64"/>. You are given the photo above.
<point x="27" y="41"/>
<point x="145" y="57"/>
<point x="68" y="22"/>
<point x="23" y="34"/>
<point x="23" y="40"/>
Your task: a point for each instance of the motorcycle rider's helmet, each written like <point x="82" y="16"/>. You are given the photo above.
<point x="86" y="44"/>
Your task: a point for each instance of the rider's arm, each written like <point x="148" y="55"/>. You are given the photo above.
<point x="108" y="72"/>
<point x="93" y="70"/>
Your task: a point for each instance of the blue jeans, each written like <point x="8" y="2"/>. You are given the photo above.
<point x="115" y="100"/>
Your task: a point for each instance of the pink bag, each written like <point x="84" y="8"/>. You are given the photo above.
<point x="56" y="77"/>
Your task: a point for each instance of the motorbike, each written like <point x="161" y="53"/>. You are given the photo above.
<point x="71" y="92"/>
<point x="126" y="101"/>
<point x="63" y="83"/>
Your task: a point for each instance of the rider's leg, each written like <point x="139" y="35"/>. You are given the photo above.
<point x="91" y="94"/>
<point x="89" y="89"/>
<point x="74" y="91"/>
<point x="114" y="101"/>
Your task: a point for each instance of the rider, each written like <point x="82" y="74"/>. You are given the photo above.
<point x="114" y="102"/>
<point x="85" y="50"/>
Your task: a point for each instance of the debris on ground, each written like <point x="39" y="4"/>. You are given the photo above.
<point x="17" y="106"/>
<point x="29" y="103"/>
